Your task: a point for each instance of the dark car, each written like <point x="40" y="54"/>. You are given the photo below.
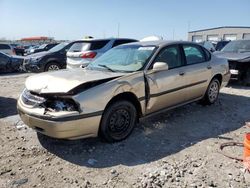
<point x="208" y="45"/>
<point x="53" y="59"/>
<point x="220" y="45"/>
<point x="10" y="63"/>
<point x="238" y="55"/>
<point x="44" y="47"/>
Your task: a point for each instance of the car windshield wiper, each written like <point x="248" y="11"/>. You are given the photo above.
<point x="107" y="67"/>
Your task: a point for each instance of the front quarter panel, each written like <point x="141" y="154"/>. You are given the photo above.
<point x="96" y="99"/>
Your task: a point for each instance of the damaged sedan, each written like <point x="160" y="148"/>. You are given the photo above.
<point x="238" y="55"/>
<point x="110" y="95"/>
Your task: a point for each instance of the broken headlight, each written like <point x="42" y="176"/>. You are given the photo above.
<point x="58" y="105"/>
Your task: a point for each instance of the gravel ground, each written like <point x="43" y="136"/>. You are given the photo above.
<point x="178" y="148"/>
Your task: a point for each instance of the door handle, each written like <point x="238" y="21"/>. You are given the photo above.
<point x="209" y="67"/>
<point x="181" y="73"/>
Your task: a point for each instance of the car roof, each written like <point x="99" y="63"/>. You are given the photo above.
<point x="90" y="40"/>
<point x="160" y="43"/>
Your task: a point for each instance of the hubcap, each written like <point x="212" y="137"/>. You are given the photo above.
<point x="213" y="91"/>
<point x="53" y="67"/>
<point x="119" y="122"/>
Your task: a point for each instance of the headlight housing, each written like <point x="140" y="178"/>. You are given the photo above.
<point x="60" y="104"/>
<point x="35" y="59"/>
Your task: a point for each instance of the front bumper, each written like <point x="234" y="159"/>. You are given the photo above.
<point x="30" y="66"/>
<point x="67" y="129"/>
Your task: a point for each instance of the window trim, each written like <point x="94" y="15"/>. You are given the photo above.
<point x="202" y="50"/>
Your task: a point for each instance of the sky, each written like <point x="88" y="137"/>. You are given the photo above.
<point x="75" y="19"/>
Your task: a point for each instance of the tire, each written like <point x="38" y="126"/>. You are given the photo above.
<point x="118" y="121"/>
<point x="52" y="66"/>
<point x="212" y="92"/>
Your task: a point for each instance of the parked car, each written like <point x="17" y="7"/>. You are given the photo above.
<point x="6" y="48"/>
<point x="10" y="63"/>
<point x="31" y="49"/>
<point x="19" y="50"/>
<point x="43" y="47"/>
<point x="208" y="45"/>
<point x="83" y="52"/>
<point x="221" y="45"/>
<point x="238" y="55"/>
<point x="126" y="83"/>
<point x="53" y="59"/>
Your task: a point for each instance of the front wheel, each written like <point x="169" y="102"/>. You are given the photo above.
<point x="118" y="121"/>
<point x="212" y="92"/>
<point x="52" y="66"/>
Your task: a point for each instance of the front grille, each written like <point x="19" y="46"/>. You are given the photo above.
<point x="233" y="65"/>
<point x="31" y="99"/>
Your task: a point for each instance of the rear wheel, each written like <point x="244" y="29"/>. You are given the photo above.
<point x="118" y="121"/>
<point x="212" y="92"/>
<point x="52" y="66"/>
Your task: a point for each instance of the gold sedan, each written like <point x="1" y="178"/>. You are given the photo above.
<point x="108" y="97"/>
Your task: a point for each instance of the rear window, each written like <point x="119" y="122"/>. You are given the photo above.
<point x="119" y="42"/>
<point x="4" y="47"/>
<point x="79" y="47"/>
<point x="96" y="45"/>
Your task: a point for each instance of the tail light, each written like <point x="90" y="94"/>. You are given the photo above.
<point x="88" y="55"/>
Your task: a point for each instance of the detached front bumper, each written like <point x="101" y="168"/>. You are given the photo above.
<point x="67" y="128"/>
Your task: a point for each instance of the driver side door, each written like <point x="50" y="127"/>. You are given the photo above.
<point x="166" y="88"/>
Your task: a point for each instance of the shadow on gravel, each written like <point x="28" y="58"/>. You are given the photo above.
<point x="7" y="107"/>
<point x="159" y="136"/>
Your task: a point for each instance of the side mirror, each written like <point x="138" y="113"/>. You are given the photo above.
<point x="158" y="66"/>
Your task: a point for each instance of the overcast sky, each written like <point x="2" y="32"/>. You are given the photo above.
<point x="74" y="19"/>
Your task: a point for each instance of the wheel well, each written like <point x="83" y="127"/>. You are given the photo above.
<point x="128" y="96"/>
<point x="219" y="77"/>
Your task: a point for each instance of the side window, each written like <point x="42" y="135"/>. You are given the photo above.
<point x="170" y="55"/>
<point x="194" y="54"/>
<point x="119" y="42"/>
<point x="4" y="47"/>
<point x="96" y="45"/>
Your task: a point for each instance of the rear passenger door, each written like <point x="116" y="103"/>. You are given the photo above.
<point x="197" y="70"/>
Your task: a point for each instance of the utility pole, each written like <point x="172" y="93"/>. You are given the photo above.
<point x="118" y="30"/>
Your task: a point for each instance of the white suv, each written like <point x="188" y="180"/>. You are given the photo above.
<point x="84" y="51"/>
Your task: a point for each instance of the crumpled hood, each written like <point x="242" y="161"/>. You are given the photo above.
<point x="233" y="55"/>
<point x="65" y="80"/>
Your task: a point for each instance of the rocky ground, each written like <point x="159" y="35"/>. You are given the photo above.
<point x="178" y="148"/>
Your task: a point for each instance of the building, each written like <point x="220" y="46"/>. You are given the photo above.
<point x="37" y="40"/>
<point x="219" y="33"/>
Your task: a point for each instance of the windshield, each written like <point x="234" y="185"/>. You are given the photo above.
<point x="58" y="47"/>
<point x="42" y="46"/>
<point x="128" y="58"/>
<point x="237" y="46"/>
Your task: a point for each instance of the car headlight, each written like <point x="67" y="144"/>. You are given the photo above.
<point x="58" y="105"/>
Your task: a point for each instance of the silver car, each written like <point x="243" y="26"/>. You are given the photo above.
<point x="110" y="95"/>
<point x="83" y="52"/>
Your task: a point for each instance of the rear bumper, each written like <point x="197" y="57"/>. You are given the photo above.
<point x="69" y="129"/>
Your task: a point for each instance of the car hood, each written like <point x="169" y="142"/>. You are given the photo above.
<point x="64" y="81"/>
<point x="233" y="55"/>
